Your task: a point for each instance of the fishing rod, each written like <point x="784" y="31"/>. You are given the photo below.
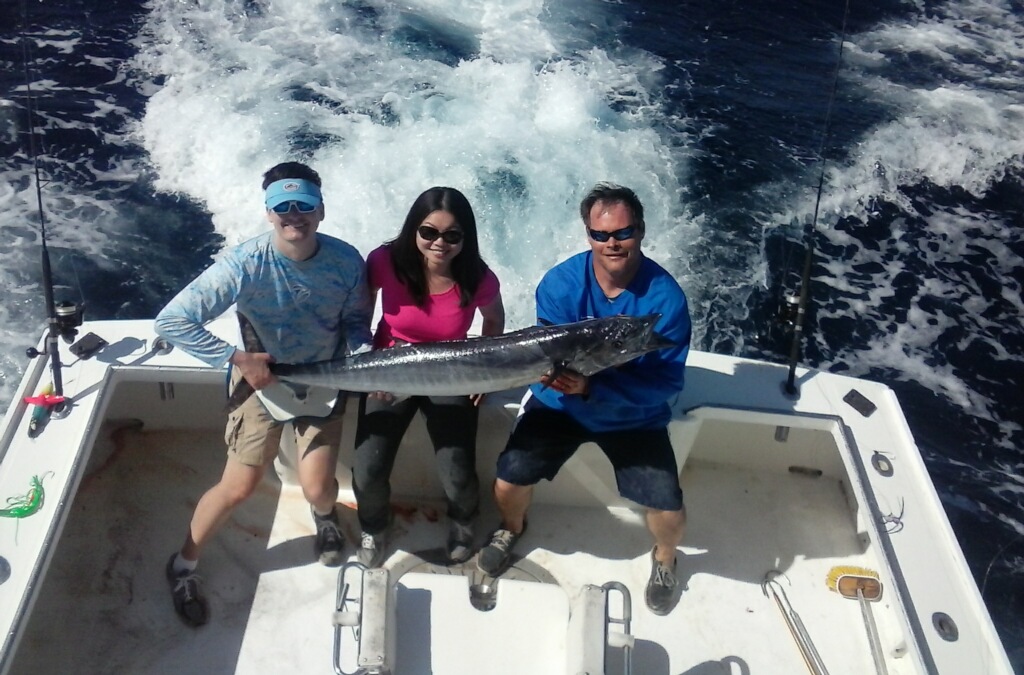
<point x="63" y="318"/>
<point x="789" y="387"/>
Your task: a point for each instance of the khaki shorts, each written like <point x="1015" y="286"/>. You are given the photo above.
<point x="253" y="436"/>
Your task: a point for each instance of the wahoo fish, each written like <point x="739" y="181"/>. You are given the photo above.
<point x="485" y="364"/>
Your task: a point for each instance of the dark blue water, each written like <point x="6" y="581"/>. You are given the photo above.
<point x="157" y="119"/>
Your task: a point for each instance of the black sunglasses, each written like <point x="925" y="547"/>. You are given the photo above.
<point x="301" y="207"/>
<point x="618" y="235"/>
<point x="448" y="236"/>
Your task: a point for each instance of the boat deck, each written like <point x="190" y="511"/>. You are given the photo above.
<point x="801" y="485"/>
<point x="106" y="607"/>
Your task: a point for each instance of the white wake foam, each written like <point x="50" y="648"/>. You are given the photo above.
<point x="521" y="131"/>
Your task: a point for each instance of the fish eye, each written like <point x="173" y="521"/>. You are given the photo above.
<point x="617" y="344"/>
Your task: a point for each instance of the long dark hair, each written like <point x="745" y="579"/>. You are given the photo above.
<point x="468" y="268"/>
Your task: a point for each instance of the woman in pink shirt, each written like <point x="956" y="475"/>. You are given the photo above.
<point x="432" y="281"/>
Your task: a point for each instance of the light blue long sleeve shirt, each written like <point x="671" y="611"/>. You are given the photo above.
<point x="304" y="311"/>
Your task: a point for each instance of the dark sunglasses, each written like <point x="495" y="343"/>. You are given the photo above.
<point x="301" y="207"/>
<point x="431" y="233"/>
<point x="618" y="235"/>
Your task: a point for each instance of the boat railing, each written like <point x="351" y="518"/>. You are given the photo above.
<point x="365" y="622"/>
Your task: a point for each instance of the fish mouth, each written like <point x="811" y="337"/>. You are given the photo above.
<point x="655" y="340"/>
<point x="647" y="322"/>
<point x="650" y="319"/>
<point x="658" y="341"/>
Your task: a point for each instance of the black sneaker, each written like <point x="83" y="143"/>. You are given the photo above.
<point x="373" y="549"/>
<point x="663" y="590"/>
<point x="494" y="557"/>
<point x="460" y="542"/>
<point x="189" y="602"/>
<point x="329" y="540"/>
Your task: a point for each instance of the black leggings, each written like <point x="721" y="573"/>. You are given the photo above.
<point x="451" y="423"/>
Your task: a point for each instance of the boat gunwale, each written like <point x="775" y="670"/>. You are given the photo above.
<point x="75" y="474"/>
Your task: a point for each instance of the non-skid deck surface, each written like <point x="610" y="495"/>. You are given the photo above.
<point x="105" y="606"/>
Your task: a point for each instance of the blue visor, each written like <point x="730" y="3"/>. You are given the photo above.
<point x="293" y="190"/>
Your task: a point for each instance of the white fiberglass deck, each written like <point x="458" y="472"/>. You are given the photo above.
<point x="771" y="483"/>
<point x="105" y="606"/>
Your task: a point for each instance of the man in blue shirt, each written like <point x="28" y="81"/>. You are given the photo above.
<point x="304" y="294"/>
<point x="624" y="410"/>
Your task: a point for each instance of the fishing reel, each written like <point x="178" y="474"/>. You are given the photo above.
<point x="781" y="313"/>
<point x="788" y="310"/>
<point x="67" y="317"/>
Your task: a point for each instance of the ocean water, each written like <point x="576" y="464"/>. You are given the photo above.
<point x="157" y="120"/>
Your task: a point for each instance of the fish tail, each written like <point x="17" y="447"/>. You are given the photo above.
<point x="250" y="340"/>
<point x="252" y="344"/>
<point x="239" y="395"/>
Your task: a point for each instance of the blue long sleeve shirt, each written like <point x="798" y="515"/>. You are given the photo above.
<point x="302" y="311"/>
<point x="635" y="395"/>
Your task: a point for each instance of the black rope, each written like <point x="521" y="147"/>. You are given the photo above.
<point x="805" y="279"/>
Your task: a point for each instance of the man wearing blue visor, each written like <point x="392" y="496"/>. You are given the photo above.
<point x="304" y="296"/>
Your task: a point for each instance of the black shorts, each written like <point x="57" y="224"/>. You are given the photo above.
<point x="544" y="439"/>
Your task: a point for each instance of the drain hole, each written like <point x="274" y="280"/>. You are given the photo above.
<point x="483" y="597"/>
<point x="945" y="626"/>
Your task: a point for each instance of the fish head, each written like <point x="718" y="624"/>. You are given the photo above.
<point x="598" y="344"/>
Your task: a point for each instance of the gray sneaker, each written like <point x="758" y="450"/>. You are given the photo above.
<point x="495" y="557"/>
<point x="372" y="549"/>
<point x="460" y="542"/>
<point x="663" y="589"/>
<point x="189" y="602"/>
<point x="329" y="541"/>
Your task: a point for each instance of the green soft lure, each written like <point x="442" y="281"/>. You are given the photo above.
<point x="23" y="506"/>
